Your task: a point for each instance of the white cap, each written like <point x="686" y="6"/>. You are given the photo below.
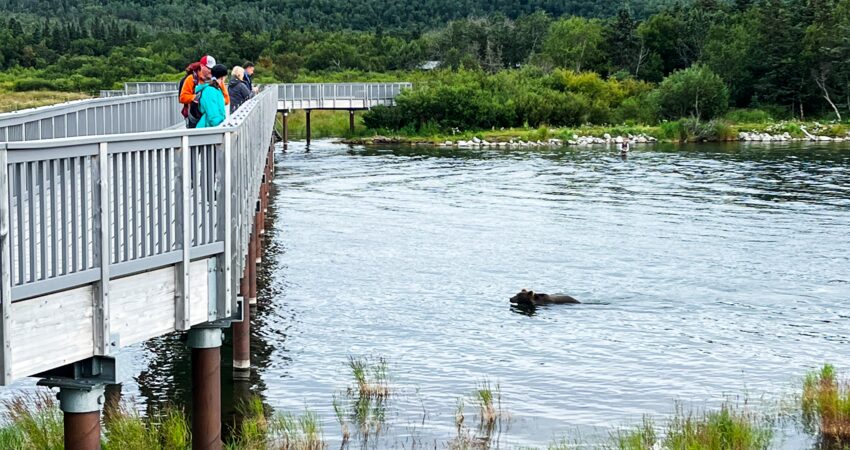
<point x="208" y="61"/>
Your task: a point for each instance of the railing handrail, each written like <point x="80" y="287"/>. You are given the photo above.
<point x="44" y="112"/>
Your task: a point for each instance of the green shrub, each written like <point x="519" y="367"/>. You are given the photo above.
<point x="693" y="92"/>
<point x="34" y="84"/>
<point x="728" y="428"/>
<point x="749" y="116"/>
<point x="826" y="405"/>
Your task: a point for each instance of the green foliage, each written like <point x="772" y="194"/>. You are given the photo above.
<point x="728" y="428"/>
<point x="749" y="116"/>
<point x="474" y="100"/>
<point x="693" y="92"/>
<point x="641" y="437"/>
<point x="825" y="403"/>
<point x="36" y="423"/>
<point x="791" y="56"/>
<point x="693" y="130"/>
<point x="574" y="43"/>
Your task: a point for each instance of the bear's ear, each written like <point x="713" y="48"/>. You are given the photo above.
<point x="523" y="291"/>
<point x="531" y="293"/>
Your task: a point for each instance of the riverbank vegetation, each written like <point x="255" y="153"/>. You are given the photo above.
<point x="500" y="65"/>
<point x="821" y="409"/>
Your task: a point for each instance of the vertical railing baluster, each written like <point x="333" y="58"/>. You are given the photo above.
<point x="31" y="223"/>
<point x="19" y="231"/>
<point x="63" y="193"/>
<point x="5" y="272"/>
<point x="143" y="210"/>
<point x="100" y="250"/>
<point x="42" y="220"/>
<point x="183" y="211"/>
<point x="75" y="235"/>
<point x="84" y="214"/>
<point x="160" y="196"/>
<point x="151" y="155"/>
<point x="196" y="194"/>
<point x="125" y="203"/>
<point x="134" y="186"/>
<point x="54" y="236"/>
<point x="211" y="232"/>
<point x="225" y="228"/>
<point x="116" y="210"/>
<point x="169" y="219"/>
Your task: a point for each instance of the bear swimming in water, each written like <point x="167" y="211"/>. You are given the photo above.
<point x="531" y="298"/>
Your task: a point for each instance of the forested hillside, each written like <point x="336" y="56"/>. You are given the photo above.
<point x="547" y="61"/>
<point x="402" y="16"/>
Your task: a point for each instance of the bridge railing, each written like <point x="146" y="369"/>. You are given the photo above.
<point x="150" y="88"/>
<point x="93" y="117"/>
<point x="339" y="95"/>
<point x="81" y="211"/>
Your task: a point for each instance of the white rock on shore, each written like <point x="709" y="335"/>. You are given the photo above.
<point x="607" y="139"/>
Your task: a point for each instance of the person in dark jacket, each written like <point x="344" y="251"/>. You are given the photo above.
<point x="238" y="89"/>
<point x="249" y="75"/>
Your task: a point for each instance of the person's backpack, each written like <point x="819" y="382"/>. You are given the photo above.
<point x="192" y="111"/>
<point x="195" y="113"/>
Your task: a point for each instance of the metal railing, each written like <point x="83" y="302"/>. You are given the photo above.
<point x="339" y="95"/>
<point x="150" y="88"/>
<point x="80" y="211"/>
<point x="93" y="117"/>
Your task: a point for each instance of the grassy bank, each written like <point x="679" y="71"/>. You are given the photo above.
<point x="16" y="101"/>
<point x="822" y="407"/>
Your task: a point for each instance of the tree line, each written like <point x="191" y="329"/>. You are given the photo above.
<point x="791" y="57"/>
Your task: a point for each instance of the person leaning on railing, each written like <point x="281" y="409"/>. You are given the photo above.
<point x="238" y="88"/>
<point x="211" y="98"/>
<point x="196" y="73"/>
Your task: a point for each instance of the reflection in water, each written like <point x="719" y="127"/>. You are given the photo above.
<point x="707" y="270"/>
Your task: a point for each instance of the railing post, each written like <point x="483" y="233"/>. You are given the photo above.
<point x="226" y="227"/>
<point x="184" y="234"/>
<point x="6" y="270"/>
<point x="101" y="244"/>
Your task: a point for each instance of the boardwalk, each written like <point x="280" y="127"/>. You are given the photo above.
<point x="117" y="226"/>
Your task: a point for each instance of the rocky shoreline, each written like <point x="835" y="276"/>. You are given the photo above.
<point x="786" y="137"/>
<point x="606" y="139"/>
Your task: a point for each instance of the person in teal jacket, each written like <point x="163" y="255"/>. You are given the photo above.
<point x="211" y="98"/>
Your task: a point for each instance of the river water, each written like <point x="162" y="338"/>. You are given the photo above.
<point x="706" y="273"/>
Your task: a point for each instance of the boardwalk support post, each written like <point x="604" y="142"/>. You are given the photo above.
<point x="309" y="131"/>
<point x="206" y="388"/>
<point x="81" y="398"/>
<point x="242" y="331"/>
<point x="285" y="129"/>
<point x="351" y="122"/>
<point x="81" y="408"/>
<point x="252" y="262"/>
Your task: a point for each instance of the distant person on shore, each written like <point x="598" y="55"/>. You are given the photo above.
<point x="249" y="76"/>
<point x="238" y="88"/>
<point x="211" y="98"/>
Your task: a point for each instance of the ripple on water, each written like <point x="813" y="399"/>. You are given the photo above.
<point x="706" y="271"/>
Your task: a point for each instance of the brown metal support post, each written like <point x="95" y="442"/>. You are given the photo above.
<point x="206" y="388"/>
<point x="242" y="331"/>
<point x="285" y="129"/>
<point x="252" y="266"/>
<point x="351" y="122"/>
<point x="258" y="230"/>
<point x="81" y="408"/>
<point x="309" y="131"/>
<point x="82" y="431"/>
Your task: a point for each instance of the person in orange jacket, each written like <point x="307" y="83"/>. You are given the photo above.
<point x="194" y="72"/>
